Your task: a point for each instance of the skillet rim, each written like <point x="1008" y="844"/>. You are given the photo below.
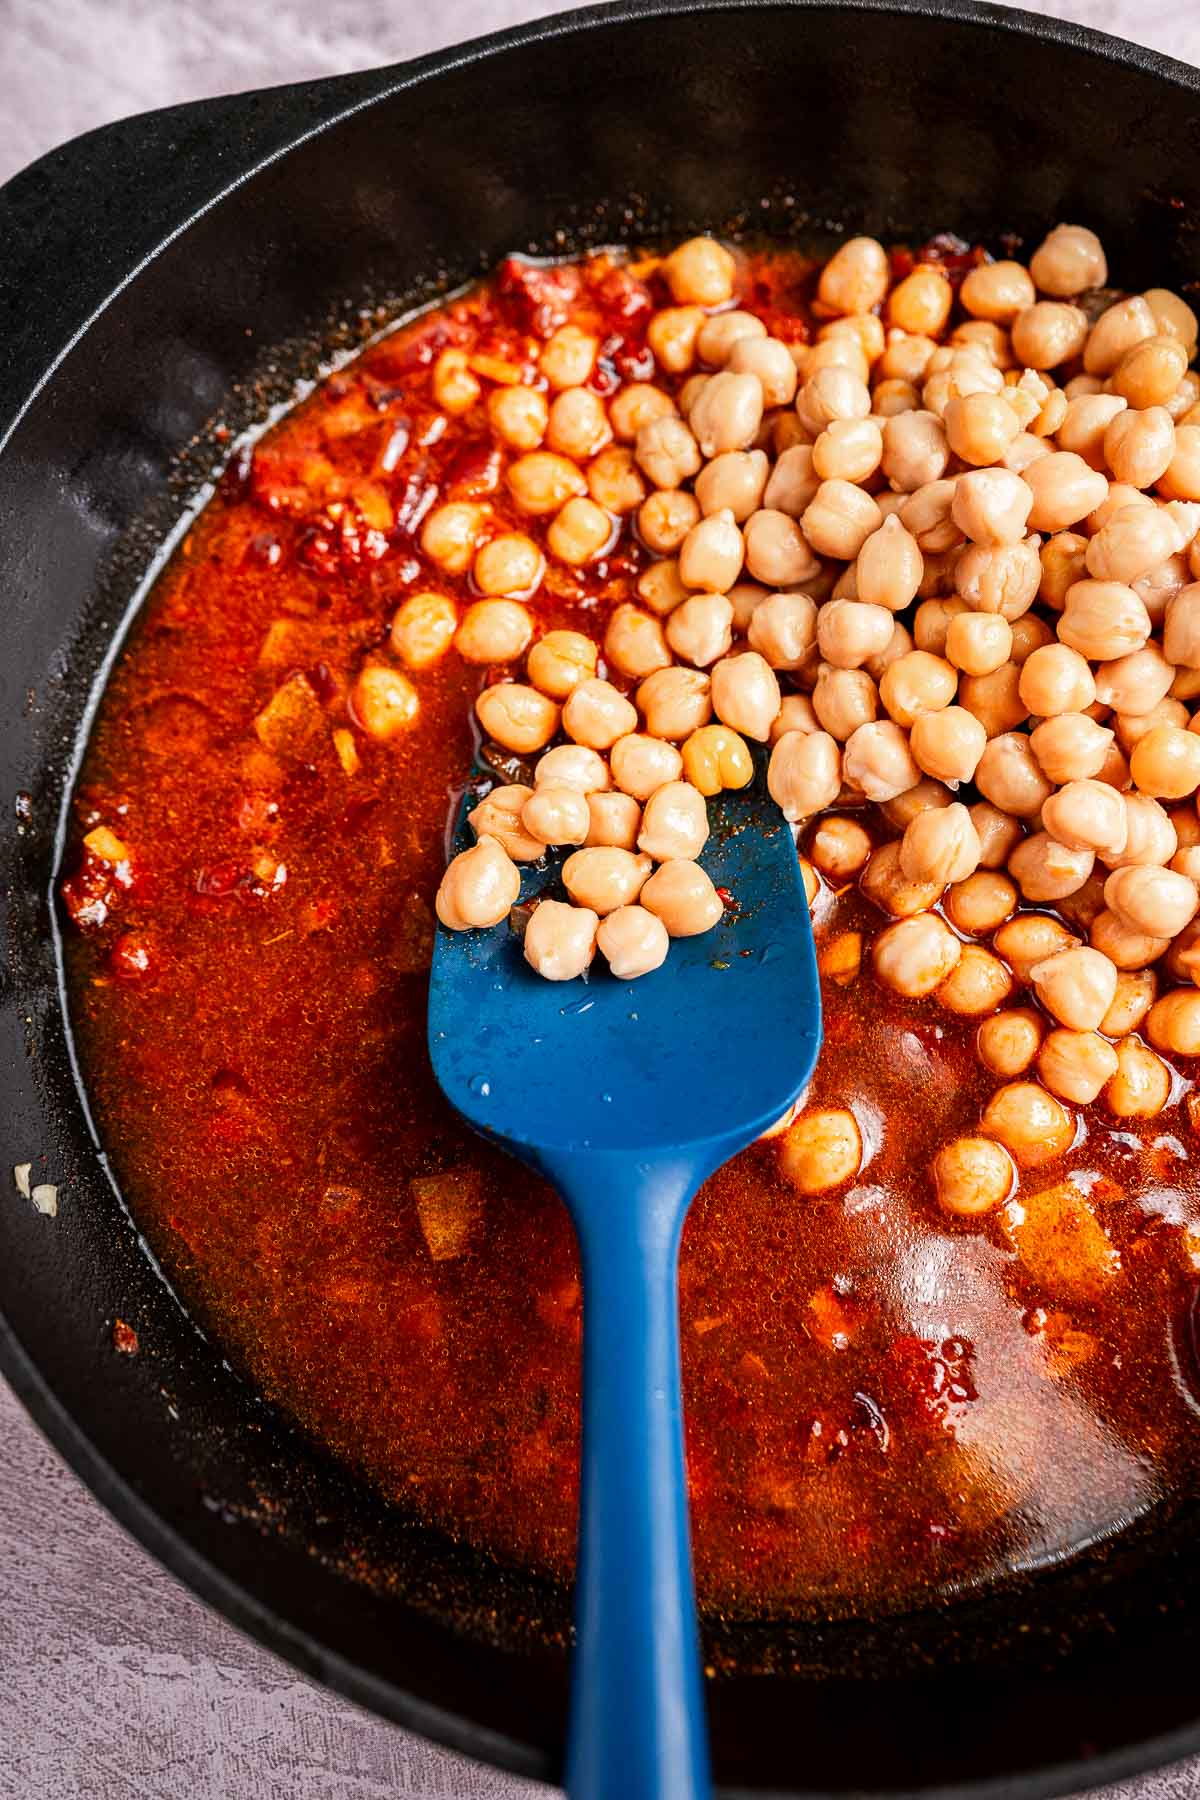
<point x="330" y="101"/>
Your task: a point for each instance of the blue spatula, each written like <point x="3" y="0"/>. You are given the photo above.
<point x="627" y="1096"/>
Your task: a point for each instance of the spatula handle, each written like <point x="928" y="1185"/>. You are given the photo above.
<point x="637" y="1727"/>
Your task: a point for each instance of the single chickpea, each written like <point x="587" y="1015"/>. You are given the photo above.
<point x="1048" y="333"/>
<point x="915" y="955"/>
<point x="1173" y="317"/>
<point x="1029" y="939"/>
<point x="701" y="630"/>
<point x="666" y="452"/>
<point x="509" y="566"/>
<point x="888" y="567"/>
<point x="517" y="717"/>
<point x="952" y="745"/>
<point x="605" y="878"/>
<point x="560" y="940"/>
<point x="745" y="694"/>
<point x="850" y="633"/>
<point x="581" y="531"/>
<point x="1141" y="1086"/>
<point x="839" y="519"/>
<point x="455" y="389"/>
<point x="792" y="483"/>
<point x="831" y="394"/>
<point x="665" y="519"/>
<point x="1029" y="634"/>
<point x="675" y="702"/>
<point x="493" y="631"/>
<point x="1150" y="834"/>
<point x="674" y="823"/>
<point x="518" y="416"/>
<point x="1046" y="870"/>
<point x="821" y="1151"/>
<point x="1031" y="1124"/>
<point x="899" y="644"/>
<point x="671" y="335"/>
<point x="615" y="820"/>
<point x="1135" y="683"/>
<point x="921" y="302"/>
<point x="1076" y="1065"/>
<point x="715" y="759"/>
<point x="479" y="888"/>
<point x="977" y="643"/>
<point x="1103" y="620"/>
<point x="1063" y="559"/>
<point x="1000" y="578"/>
<point x="973" y="1175"/>
<point x="711" y="554"/>
<point x="979" y="983"/>
<point x="1135" y="540"/>
<point x="924" y="796"/>
<point x="997" y="291"/>
<point x="634" y="642"/>
<point x="776" y="549"/>
<point x="991" y="506"/>
<point x="681" y="894"/>
<point x="573" y="766"/>
<point x="987" y="336"/>
<point x="1076" y="986"/>
<point x="1137" y="990"/>
<point x="1181" y="478"/>
<point x="1120" y="494"/>
<point x="805" y="773"/>
<point x="917" y="683"/>
<point x="385" y="703"/>
<point x="995" y="699"/>
<point x="843" y="700"/>
<point x="640" y="764"/>
<point x="865" y="328"/>
<point x="1173" y="1023"/>
<point x="450" y="534"/>
<point x="659" y="587"/>
<point x="1124" y="948"/>
<point x="423" y="629"/>
<point x="733" y="482"/>
<point x="578" y="424"/>
<point x="998" y="834"/>
<point x="700" y="272"/>
<point x="542" y="482"/>
<point x="556" y="815"/>
<point x="915" y="451"/>
<point x="1086" y="815"/>
<point x="615" y="482"/>
<point x="1131" y="728"/>
<point x="892" y="397"/>
<point x="633" y="941"/>
<point x="1056" y="679"/>
<point x="839" y="849"/>
<point x="771" y="361"/>
<point x="1139" y="447"/>
<point x="1084" y="424"/>
<point x="1166" y="763"/>
<point x="1181" y="627"/>
<point x="1064" y="490"/>
<point x="635" y="405"/>
<point x="782" y="629"/>
<point x="940" y="845"/>
<point x="1150" y="372"/>
<point x="1120" y="326"/>
<point x="1070" y="747"/>
<point x="856" y="277"/>
<point x="1007" y="1043"/>
<point x="727" y="412"/>
<point x="980" y="427"/>
<point x="1182" y="958"/>
<point x="928" y="516"/>
<point x="885" y="883"/>
<point x="1068" y="261"/>
<point x="981" y="902"/>
<point x="878" y="762"/>
<point x="568" y="357"/>
<point x="597" y="714"/>
<point x="498" y="815"/>
<point x="1154" y="901"/>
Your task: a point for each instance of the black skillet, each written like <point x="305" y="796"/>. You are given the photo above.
<point x="182" y="268"/>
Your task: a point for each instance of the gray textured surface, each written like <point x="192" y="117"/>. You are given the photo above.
<point x="114" y="1681"/>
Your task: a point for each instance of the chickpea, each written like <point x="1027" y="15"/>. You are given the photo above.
<point x="772" y="362"/>
<point x="614" y="480"/>
<point x="1086" y="815"/>
<point x="614" y="820"/>
<point x="700" y="630"/>
<point x="556" y="815"/>
<point x="915" y="955"/>
<point x="451" y="533"/>
<point x="1181" y="478"/>
<point x="838" y="520"/>
<point x="634" y="643"/>
<point x="885" y="883"/>
<point x="1029" y="634"/>
<point x="573" y="766"/>
<point x="981" y="902"/>
<point x="856" y="277"/>
<point x="849" y="633"/>
<point x="1150" y="835"/>
<point x="1181" y="627"/>
<point x="671" y="335"/>
<point x="581" y="531"/>
<point x="921" y="302"/>
<point x="1103" y="620"/>
<point x="1048" y="333"/>
<point x="733" y="482"/>
<point x="568" y="357"/>
<point x="578" y="424"/>
<point x="597" y="714"/>
<point x="720" y="335"/>
<point x="899" y="644"/>
<point x="1063" y="559"/>
<point x="1029" y="939"/>
<point x="998" y="834"/>
<point x="1136" y="992"/>
<point x="674" y="823"/>
<point x="605" y="878"/>
<point x="890" y="398"/>
<point x="931" y="624"/>
<point x="980" y="427"/>
<point x="791" y="483"/>
<point x="1132" y="727"/>
<point x="660" y="587"/>
<point x="1166" y="763"/>
<point x="666" y="451"/>
<point x="455" y="389"/>
<point x="1140" y="446"/>
<point x="1087" y="418"/>
<point x="1070" y="747"/>
<point x="1076" y="1065"/>
<point x="1046" y="870"/>
<point x="997" y="291"/>
<point x="888" y="567"/>
<point x="1135" y="683"/>
<point x="541" y="482"/>
<point x="1141" y="1086"/>
<point x="1008" y="1042"/>
<point x="973" y="1175"/>
<point x="1173" y="1023"/>
<point x="423" y="629"/>
<point x="385" y="703"/>
<point x="675" y="702"/>
<point x="940" y="845"/>
<point x="727" y="412"/>
<point x="635" y="405"/>
<point x="641" y="764"/>
<point x="1000" y="578"/>
<point x="1154" y="901"/>
<point x="1065" y="489"/>
<point x="978" y="984"/>
<point x="991" y="506"/>
<point x="493" y="631"/>
<point x="1056" y="679"/>
<point x="977" y="643"/>
<point x="952" y="745"/>
<point x="560" y="940"/>
<point x="518" y="416"/>
<point x="558" y="662"/>
<point x="633" y="941"/>
<point x="1077" y="986"/>
<point x="995" y="699"/>
<point x="844" y="699"/>
<point x="821" y="1151"/>
<point x="917" y="683"/>
<point x="783" y="629"/>
<point x="517" y="717"/>
<point x="1031" y="1124"/>
<point x="1068" y="261"/>
<point x="848" y="450"/>
<point x="915" y="451"/>
<point x="1150" y="372"/>
<point x="924" y="796"/>
<point x="498" y="815"/>
<point x="1124" y="948"/>
<point x="1121" y="326"/>
<point x="864" y="328"/>
<point x="681" y="894"/>
<point x="839" y="849"/>
<point x="829" y="395"/>
<point x="776" y="549"/>
<point x="878" y="762"/>
<point x="795" y="714"/>
<point x="805" y="773"/>
<point x="479" y="888"/>
<point x="710" y="556"/>
<point x="1173" y="317"/>
<point x="700" y="272"/>
<point x="1134" y="540"/>
<point x="715" y="759"/>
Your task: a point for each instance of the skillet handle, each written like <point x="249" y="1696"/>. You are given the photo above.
<point x="637" y="1729"/>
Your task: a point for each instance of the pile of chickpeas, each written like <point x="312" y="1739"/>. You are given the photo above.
<point x="943" y="560"/>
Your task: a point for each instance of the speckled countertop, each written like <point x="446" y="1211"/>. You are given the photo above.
<point x="114" y="1680"/>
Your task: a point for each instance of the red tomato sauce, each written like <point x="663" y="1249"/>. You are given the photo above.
<point x="883" y="1403"/>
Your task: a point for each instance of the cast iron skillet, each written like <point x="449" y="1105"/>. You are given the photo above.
<point x="182" y="268"/>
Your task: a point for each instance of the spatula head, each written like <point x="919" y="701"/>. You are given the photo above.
<point x="710" y="1048"/>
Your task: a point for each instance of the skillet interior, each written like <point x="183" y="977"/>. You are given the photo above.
<point x="793" y="119"/>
